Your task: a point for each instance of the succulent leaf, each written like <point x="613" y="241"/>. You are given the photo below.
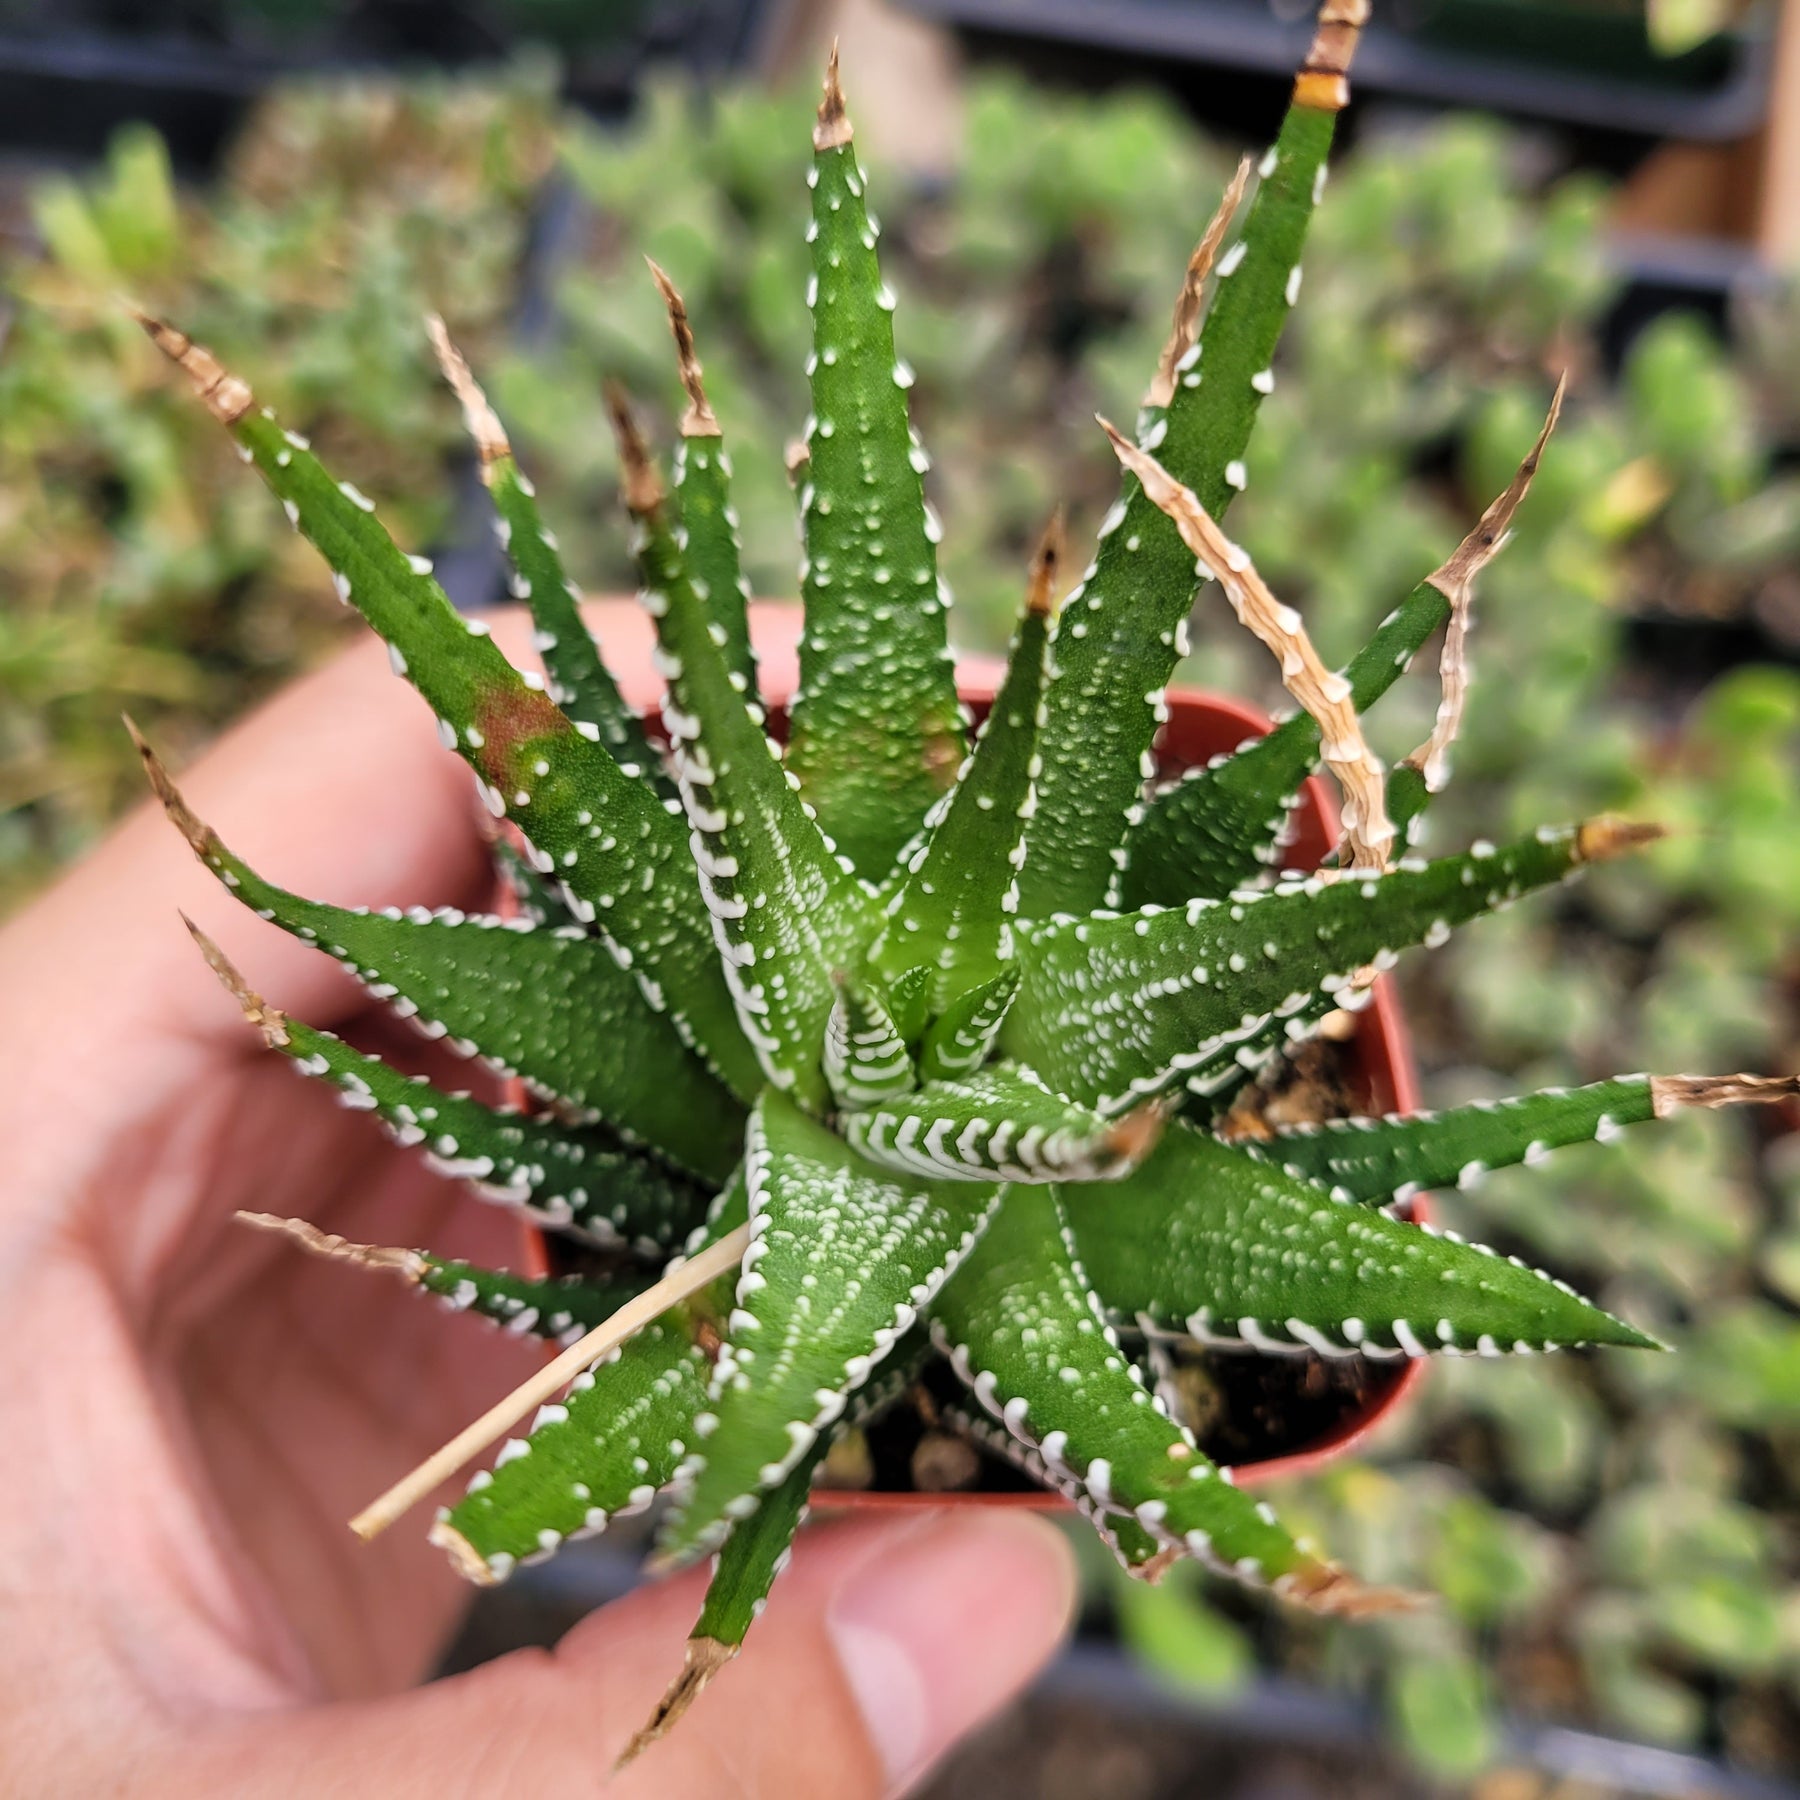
<point x="953" y="911"/>
<point x="1122" y="1007"/>
<point x="876" y="732"/>
<point x="618" y="852"/>
<point x="758" y="1550"/>
<point x="866" y="1058"/>
<point x="582" y="1181"/>
<point x="999" y="1124"/>
<point x="609" y="1446"/>
<point x="844" y="1256"/>
<point x="962" y="1037"/>
<point x="1122" y="630"/>
<point x="785" y="912"/>
<point x="551" y="1006"/>
<point x="561" y="1308"/>
<point x="1394" y="1157"/>
<point x="1205" y="1239"/>
<point x="579" y="681"/>
<point x="1024" y="1330"/>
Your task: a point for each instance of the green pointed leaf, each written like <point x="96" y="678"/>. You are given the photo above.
<point x="962" y="1037"/>
<point x="620" y="855"/>
<point x="866" y="1058"/>
<point x="551" y="1006"/>
<point x="1118" y="1008"/>
<point x="579" y="681"/>
<point x="954" y="910"/>
<point x="785" y="912"/>
<point x="844" y="1257"/>
<point x="1206" y="1240"/>
<point x="563" y="1307"/>
<point x="1393" y="1158"/>
<point x="605" y="1451"/>
<point x="876" y="731"/>
<point x="711" y="551"/>
<point x="613" y="1442"/>
<point x="998" y="1124"/>
<point x="583" y="1181"/>
<point x="1121" y="631"/>
<point x="759" y="1548"/>
<point x="1024" y="1331"/>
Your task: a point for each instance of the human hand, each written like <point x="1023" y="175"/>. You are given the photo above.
<point x="193" y="1411"/>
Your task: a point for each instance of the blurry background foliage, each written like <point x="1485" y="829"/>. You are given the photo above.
<point x="1615" y="1539"/>
<point x="139" y="566"/>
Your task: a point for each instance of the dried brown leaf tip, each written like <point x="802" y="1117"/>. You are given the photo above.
<point x="225" y="396"/>
<point x="1325" y="1588"/>
<point x="1133" y="1137"/>
<point x="1484" y="543"/>
<point x="1323" y="84"/>
<point x="267" y="1019"/>
<point x="1325" y="694"/>
<point x="1455" y="580"/>
<point x="317" y="1242"/>
<point x="1184" y="325"/>
<point x="705" y="1658"/>
<point x="468" y="1562"/>
<point x="638" y="479"/>
<point x="833" y="127"/>
<point x="483" y="423"/>
<point x="1671" y="1093"/>
<point x="1046" y="565"/>
<point x="202" y="839"/>
<point x="699" y="419"/>
<point x="1605" y="838"/>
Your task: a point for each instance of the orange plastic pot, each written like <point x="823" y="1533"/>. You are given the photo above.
<point x="1200" y="726"/>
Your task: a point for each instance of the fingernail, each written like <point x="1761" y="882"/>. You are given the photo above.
<point x="944" y="1625"/>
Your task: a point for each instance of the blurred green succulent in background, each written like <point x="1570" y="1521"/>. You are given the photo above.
<point x="135" y="569"/>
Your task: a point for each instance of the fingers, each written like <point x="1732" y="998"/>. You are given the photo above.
<point x="884" y="1646"/>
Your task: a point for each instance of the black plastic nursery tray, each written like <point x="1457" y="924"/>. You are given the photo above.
<point x="71" y="71"/>
<point x="1572" y="65"/>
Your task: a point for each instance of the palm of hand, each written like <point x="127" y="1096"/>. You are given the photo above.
<point x="194" y="1411"/>
<point x="281" y="1393"/>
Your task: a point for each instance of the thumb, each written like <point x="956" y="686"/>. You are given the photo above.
<point x="885" y="1644"/>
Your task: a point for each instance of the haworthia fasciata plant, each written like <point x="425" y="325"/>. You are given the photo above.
<point x="862" y="1004"/>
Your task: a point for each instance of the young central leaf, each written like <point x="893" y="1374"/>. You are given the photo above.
<point x="952" y="916"/>
<point x="877" y="731"/>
